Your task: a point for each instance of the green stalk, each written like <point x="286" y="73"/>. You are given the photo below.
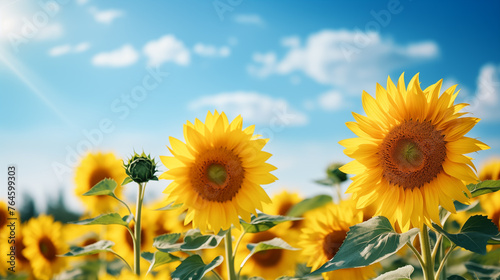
<point x="443" y="262"/>
<point x="229" y="255"/>
<point x="425" y="247"/>
<point x="137" y="230"/>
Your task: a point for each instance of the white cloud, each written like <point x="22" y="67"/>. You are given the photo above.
<point x="51" y="31"/>
<point x="60" y="50"/>
<point x="331" y="100"/>
<point x="348" y="60"/>
<point x="211" y="51"/>
<point x="254" y="107"/>
<point x="82" y="2"/>
<point x="486" y="99"/>
<point x="65" y="49"/>
<point x="105" y="16"/>
<point x="167" y="49"/>
<point x="250" y="19"/>
<point x="124" y="56"/>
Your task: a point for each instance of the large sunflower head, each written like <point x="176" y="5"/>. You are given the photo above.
<point x="44" y="240"/>
<point x="217" y="173"/>
<point x="409" y="156"/>
<point x="323" y="235"/>
<point x="94" y="168"/>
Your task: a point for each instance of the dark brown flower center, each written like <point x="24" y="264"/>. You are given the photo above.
<point x="496" y="218"/>
<point x="332" y="243"/>
<point x="283" y="210"/>
<point x="217" y="175"/>
<point x="98" y="175"/>
<point x="19" y="250"/>
<point x="47" y="248"/>
<point x="412" y="154"/>
<point x="267" y="258"/>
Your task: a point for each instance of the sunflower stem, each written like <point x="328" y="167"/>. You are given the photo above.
<point x="339" y="191"/>
<point x="229" y="255"/>
<point x="443" y="261"/>
<point x="425" y="247"/>
<point x="437" y="246"/>
<point x="238" y="242"/>
<point x="416" y="253"/>
<point x="137" y="230"/>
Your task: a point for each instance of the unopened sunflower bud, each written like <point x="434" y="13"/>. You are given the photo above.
<point x="141" y="168"/>
<point x="335" y="174"/>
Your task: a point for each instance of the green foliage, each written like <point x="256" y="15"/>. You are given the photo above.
<point x="158" y="258"/>
<point x="126" y="181"/>
<point x="474" y="234"/>
<point x="309" y="204"/>
<point x="106" y="219"/>
<point x="273" y="244"/>
<point x="367" y="243"/>
<point x="264" y="222"/>
<point x="484" y="187"/>
<point x="104" y="187"/>
<point x="483" y="272"/>
<point x="193" y="241"/>
<point x="402" y="273"/>
<point x="99" y="246"/>
<point x="194" y="268"/>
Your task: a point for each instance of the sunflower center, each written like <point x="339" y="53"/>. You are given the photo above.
<point x="283" y="210"/>
<point x="98" y="175"/>
<point x="47" y="248"/>
<point x="217" y="174"/>
<point x="267" y="258"/>
<point x="19" y="250"/>
<point x="412" y="154"/>
<point x="496" y="218"/>
<point x="3" y="218"/>
<point x="332" y="243"/>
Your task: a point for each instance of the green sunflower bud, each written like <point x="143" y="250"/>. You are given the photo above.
<point x="141" y="168"/>
<point x="335" y="174"/>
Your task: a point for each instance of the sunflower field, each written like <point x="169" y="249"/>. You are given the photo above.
<point x="416" y="207"/>
<point x="249" y="140"/>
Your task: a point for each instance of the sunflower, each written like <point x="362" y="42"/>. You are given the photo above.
<point x="323" y="235"/>
<point x="126" y="274"/>
<point x="409" y="154"/>
<point x="218" y="172"/>
<point x="282" y="203"/>
<point x="3" y="215"/>
<point x="93" y="169"/>
<point x="269" y="264"/>
<point x="164" y="222"/>
<point x="22" y="264"/>
<point x="491" y="170"/>
<point x="44" y="240"/>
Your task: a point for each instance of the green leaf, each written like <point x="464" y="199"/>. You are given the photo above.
<point x="367" y="243"/>
<point x="127" y="180"/>
<point x="464" y="207"/>
<point x="193" y="268"/>
<point x="484" y="187"/>
<point x="158" y="258"/>
<point x="170" y="206"/>
<point x="309" y="204"/>
<point x="402" y="273"/>
<point x="167" y="243"/>
<point x="106" y="219"/>
<point x="273" y="244"/>
<point x="474" y="234"/>
<point x="99" y="246"/>
<point x="495" y="240"/>
<point x="264" y="222"/>
<point x="483" y="271"/>
<point x="104" y="187"/>
<point x="194" y="240"/>
<point x="456" y="277"/>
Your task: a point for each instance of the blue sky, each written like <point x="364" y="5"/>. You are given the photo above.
<point x="137" y="70"/>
